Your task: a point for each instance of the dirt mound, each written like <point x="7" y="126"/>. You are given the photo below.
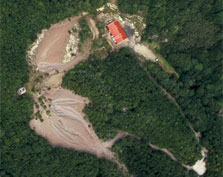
<point x="63" y="123"/>
<point x="145" y="52"/>
<point x="52" y="48"/>
<point x="67" y="127"/>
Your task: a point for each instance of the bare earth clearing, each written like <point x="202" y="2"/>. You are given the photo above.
<point x="52" y="47"/>
<point x="145" y="52"/>
<point x="93" y="28"/>
<point x="66" y="125"/>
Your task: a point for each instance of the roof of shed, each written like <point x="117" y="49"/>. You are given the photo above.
<point x="117" y="31"/>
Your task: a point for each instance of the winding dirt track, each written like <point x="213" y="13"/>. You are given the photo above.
<point x="65" y="125"/>
<point x="93" y="28"/>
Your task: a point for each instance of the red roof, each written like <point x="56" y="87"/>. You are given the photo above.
<point x="117" y="31"/>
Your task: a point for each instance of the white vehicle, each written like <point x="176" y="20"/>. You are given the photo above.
<point x="156" y="60"/>
<point x="21" y="91"/>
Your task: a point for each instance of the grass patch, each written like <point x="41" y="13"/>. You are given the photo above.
<point x="154" y="46"/>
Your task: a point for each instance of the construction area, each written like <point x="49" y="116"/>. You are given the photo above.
<point x="57" y="112"/>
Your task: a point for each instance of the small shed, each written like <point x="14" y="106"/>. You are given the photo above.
<point x="117" y="32"/>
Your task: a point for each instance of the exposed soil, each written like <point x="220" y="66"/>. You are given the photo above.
<point x="144" y="51"/>
<point x="67" y="127"/>
<point x="93" y="28"/>
<point x="52" y="47"/>
<point x="113" y="2"/>
<point x="64" y="124"/>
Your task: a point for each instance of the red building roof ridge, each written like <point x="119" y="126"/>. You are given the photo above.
<point x="117" y="31"/>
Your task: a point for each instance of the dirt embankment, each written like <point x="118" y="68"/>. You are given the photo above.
<point x="63" y="120"/>
<point x="64" y="123"/>
<point x="145" y="52"/>
<point x="52" y="47"/>
<point x="93" y="28"/>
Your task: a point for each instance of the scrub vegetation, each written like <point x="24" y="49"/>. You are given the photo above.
<point x="142" y="160"/>
<point x="85" y="32"/>
<point x="23" y="153"/>
<point x="124" y="98"/>
<point x="194" y="50"/>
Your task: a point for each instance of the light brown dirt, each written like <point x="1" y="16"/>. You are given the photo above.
<point x="52" y="48"/>
<point x="145" y="52"/>
<point x="65" y="125"/>
<point x="113" y="2"/>
<point x="93" y="28"/>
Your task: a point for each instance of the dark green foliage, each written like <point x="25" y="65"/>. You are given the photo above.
<point x="101" y="27"/>
<point x="142" y="160"/>
<point x="23" y="153"/>
<point x="124" y="98"/>
<point x="98" y="43"/>
<point x="184" y="23"/>
<point x="85" y="31"/>
<point x="133" y="7"/>
<point x="194" y="48"/>
<point x="198" y="107"/>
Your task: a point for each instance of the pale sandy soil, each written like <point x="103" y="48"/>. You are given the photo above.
<point x="199" y="167"/>
<point x="65" y="125"/>
<point x="93" y="28"/>
<point x="52" y="48"/>
<point x="144" y="51"/>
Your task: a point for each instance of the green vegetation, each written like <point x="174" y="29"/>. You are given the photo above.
<point x="142" y="160"/>
<point x="99" y="43"/>
<point x="100" y="48"/>
<point x="154" y="46"/>
<point x="199" y="114"/>
<point x="84" y="33"/>
<point x="194" y="49"/>
<point x="23" y="153"/>
<point x="101" y="27"/>
<point x="134" y="6"/>
<point x="124" y="98"/>
<point x="48" y="112"/>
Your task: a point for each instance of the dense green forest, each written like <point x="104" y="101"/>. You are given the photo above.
<point x="84" y="33"/>
<point x="194" y="49"/>
<point x="23" y="153"/>
<point x="124" y="98"/>
<point x="141" y="160"/>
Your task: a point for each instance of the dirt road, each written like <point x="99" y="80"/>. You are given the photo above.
<point x="93" y="28"/>
<point x="145" y="52"/>
<point x="65" y="125"/>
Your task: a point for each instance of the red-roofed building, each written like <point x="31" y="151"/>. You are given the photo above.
<point x="117" y="32"/>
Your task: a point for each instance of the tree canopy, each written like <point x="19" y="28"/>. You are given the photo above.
<point x="124" y="98"/>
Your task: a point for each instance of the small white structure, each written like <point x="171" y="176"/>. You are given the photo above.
<point x="156" y="60"/>
<point x="200" y="165"/>
<point x="21" y="91"/>
<point x="100" y="9"/>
